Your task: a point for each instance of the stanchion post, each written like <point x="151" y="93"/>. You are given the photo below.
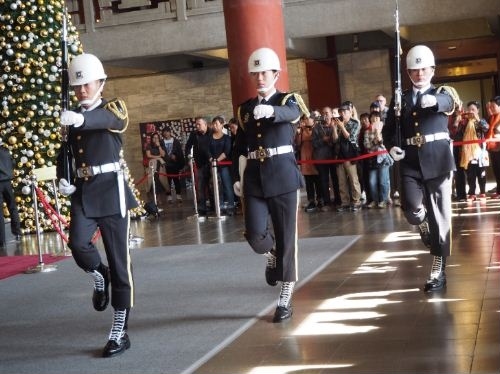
<point x="152" y="164"/>
<point x="193" y="183"/>
<point x="215" y="182"/>
<point x="58" y="210"/>
<point x="41" y="267"/>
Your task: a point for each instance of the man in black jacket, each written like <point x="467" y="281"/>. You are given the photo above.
<point x="198" y="145"/>
<point x="100" y="195"/>
<point x="7" y="195"/>
<point x="427" y="162"/>
<point x="272" y="179"/>
<point x="174" y="159"/>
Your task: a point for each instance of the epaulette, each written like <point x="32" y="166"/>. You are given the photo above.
<point x="242" y="121"/>
<point x="297" y="99"/>
<point x="449" y="90"/>
<point x="119" y="109"/>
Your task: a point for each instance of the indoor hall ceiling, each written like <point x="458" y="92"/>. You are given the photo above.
<point x="467" y="39"/>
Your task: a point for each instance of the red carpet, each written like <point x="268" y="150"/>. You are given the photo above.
<point x="12" y="265"/>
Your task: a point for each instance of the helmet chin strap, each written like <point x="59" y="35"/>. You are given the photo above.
<point x="263" y="90"/>
<point x="88" y="102"/>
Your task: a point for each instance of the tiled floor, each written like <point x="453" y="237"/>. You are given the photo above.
<point x="365" y="312"/>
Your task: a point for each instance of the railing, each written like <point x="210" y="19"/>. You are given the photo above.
<point x="94" y="14"/>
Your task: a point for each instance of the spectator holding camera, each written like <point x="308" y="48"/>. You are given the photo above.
<point x="322" y="142"/>
<point x="303" y="142"/>
<point x="346" y="133"/>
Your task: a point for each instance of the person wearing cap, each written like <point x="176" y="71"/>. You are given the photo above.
<point x="174" y="160"/>
<point x="100" y="196"/>
<point x="426" y="159"/>
<point x="272" y="179"/>
<point x="346" y="135"/>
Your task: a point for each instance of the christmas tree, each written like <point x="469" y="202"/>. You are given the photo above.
<point x="31" y="61"/>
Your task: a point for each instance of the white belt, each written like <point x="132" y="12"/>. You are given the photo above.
<point x="422" y="139"/>
<point x="270" y="152"/>
<point x="90" y="171"/>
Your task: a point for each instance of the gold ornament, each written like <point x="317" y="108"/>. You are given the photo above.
<point x="12" y="140"/>
<point x="27" y="71"/>
<point x="21" y="130"/>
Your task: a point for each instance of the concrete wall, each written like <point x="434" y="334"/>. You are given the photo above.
<point x="363" y="75"/>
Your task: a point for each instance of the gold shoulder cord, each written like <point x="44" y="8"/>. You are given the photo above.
<point x="454" y="95"/>
<point x="300" y="103"/>
<point x="119" y="109"/>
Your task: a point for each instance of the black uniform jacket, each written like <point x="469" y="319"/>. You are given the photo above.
<point x="97" y="142"/>
<point x="434" y="158"/>
<point x="278" y="174"/>
<point x="6" y="165"/>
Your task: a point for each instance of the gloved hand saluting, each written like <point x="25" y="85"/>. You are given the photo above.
<point x="237" y="188"/>
<point x="397" y="153"/>
<point x="65" y="188"/>
<point x="263" y="111"/>
<point x="70" y="118"/>
<point x="428" y="101"/>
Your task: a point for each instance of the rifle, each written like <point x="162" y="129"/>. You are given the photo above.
<point x="65" y="157"/>
<point x="397" y="81"/>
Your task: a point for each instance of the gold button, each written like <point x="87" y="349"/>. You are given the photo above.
<point x="258" y="124"/>
<point x="80" y="150"/>
<point x="86" y="178"/>
<point x="84" y="164"/>
<point x="79" y="137"/>
<point x="260" y="147"/>
<point x="259" y="135"/>
<point x="261" y="160"/>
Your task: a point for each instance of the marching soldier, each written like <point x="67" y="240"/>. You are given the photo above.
<point x="272" y="178"/>
<point x="426" y="159"/>
<point x="100" y="195"/>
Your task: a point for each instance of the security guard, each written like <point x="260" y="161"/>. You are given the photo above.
<point x="100" y="195"/>
<point x="426" y="159"/>
<point x="272" y="178"/>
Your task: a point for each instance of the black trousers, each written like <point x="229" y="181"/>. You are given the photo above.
<point x="432" y="199"/>
<point x="7" y="195"/>
<point x="115" y="236"/>
<point x="327" y="172"/>
<point x="280" y="212"/>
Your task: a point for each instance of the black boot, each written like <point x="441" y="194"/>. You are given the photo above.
<point x="100" y="297"/>
<point x="118" y="340"/>
<point x="284" y="309"/>
<point x="271" y="268"/>
<point x="437" y="278"/>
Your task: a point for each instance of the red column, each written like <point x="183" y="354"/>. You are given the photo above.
<point x="252" y="24"/>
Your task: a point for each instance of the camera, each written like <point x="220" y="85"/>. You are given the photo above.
<point x="340" y="118"/>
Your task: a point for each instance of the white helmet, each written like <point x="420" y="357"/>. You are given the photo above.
<point x="419" y="57"/>
<point x="263" y="59"/>
<point x="85" y="68"/>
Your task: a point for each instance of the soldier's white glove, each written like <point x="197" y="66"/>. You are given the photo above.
<point x="263" y="111"/>
<point x="65" y="188"/>
<point x="397" y="153"/>
<point x="428" y="101"/>
<point x="237" y="188"/>
<point x="70" y="118"/>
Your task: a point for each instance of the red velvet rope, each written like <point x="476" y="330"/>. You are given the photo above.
<point x="335" y="161"/>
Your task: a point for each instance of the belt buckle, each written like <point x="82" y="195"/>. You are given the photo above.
<point x="262" y="153"/>
<point x="418" y="140"/>
<point x="85" y="172"/>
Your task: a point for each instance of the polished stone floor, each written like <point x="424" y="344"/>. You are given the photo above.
<point x="365" y="312"/>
